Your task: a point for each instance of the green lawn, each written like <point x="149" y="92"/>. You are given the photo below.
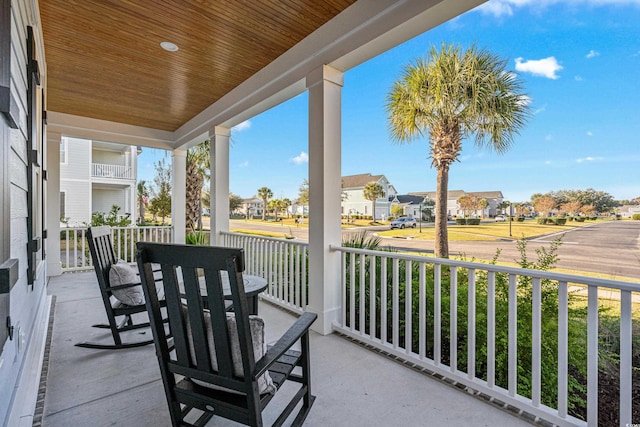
<point x="488" y="231"/>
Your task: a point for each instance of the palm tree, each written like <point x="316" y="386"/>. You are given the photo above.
<point x="452" y="95"/>
<point x="265" y="194"/>
<point x="143" y="199"/>
<point x="198" y="163"/>
<point x="372" y="191"/>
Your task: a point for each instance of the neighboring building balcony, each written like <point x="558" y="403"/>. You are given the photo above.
<point x="101" y="170"/>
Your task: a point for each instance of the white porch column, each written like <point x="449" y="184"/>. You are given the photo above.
<point x="54" y="266"/>
<point x="325" y="111"/>
<point x="178" y="196"/>
<point x="132" y="160"/>
<point x="219" y="185"/>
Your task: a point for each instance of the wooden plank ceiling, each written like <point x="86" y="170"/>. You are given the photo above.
<point x="104" y="58"/>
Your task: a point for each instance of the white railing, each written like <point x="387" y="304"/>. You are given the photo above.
<point x="74" y="251"/>
<point x="282" y="262"/>
<point x="518" y="350"/>
<point x="101" y="170"/>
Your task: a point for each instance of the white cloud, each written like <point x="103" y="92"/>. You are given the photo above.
<point x="302" y="158"/>
<point x="578" y="78"/>
<point x="548" y="162"/>
<point x="244" y="164"/>
<point x="541" y="109"/>
<point x="589" y="159"/>
<point x="242" y="126"/>
<point x="549" y="137"/>
<point x="496" y="8"/>
<point x="589" y="133"/>
<point x="500" y="8"/>
<point x="592" y="54"/>
<point x="546" y="67"/>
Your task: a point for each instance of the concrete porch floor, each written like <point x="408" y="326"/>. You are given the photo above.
<point x="354" y="386"/>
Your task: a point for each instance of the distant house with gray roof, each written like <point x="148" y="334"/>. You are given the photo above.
<point x="353" y="201"/>
<point x="627" y="211"/>
<point x="494" y="199"/>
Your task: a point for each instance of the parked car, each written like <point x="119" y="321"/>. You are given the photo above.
<point x="403" y="222"/>
<point x="500" y="218"/>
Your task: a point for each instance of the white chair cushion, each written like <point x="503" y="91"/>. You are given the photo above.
<point x="256" y="324"/>
<point x="122" y="273"/>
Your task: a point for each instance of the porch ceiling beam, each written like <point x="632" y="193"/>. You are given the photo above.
<point x="101" y="130"/>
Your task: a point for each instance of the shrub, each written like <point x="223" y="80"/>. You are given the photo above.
<point x="520" y="219"/>
<point x="635" y="217"/>
<point x="196" y="238"/>
<point x="559" y="220"/>
<point x="473" y="221"/>
<point x="593" y="218"/>
<point x="580" y="218"/>
<point x="112" y="219"/>
<point x="461" y="221"/>
<point x="541" y="220"/>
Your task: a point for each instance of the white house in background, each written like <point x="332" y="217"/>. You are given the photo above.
<point x="353" y="201"/>
<point x="627" y="211"/>
<point x="252" y="207"/>
<point x="94" y="176"/>
<point x="410" y="204"/>
<point x="494" y="198"/>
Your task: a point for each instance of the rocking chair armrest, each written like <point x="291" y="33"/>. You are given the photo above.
<point x="297" y="330"/>
<point x="123" y="286"/>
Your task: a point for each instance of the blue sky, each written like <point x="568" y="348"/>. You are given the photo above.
<point x="580" y="64"/>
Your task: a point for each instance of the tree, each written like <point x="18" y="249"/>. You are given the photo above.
<point x="545" y="205"/>
<point x="372" y="191"/>
<point x="571" y="208"/>
<point x="601" y="200"/>
<point x="143" y="199"/>
<point x="235" y="202"/>
<point x="265" y="194"/>
<point x="198" y="164"/>
<point x="635" y="201"/>
<point x="285" y="205"/>
<point x="160" y="205"/>
<point x="453" y="95"/>
<point x="503" y="205"/>
<point x="482" y="205"/>
<point x="397" y="210"/>
<point x="276" y="205"/>
<point x="467" y="203"/>
<point x="588" y="210"/>
<point x="303" y="192"/>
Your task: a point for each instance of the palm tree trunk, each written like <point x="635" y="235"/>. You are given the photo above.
<point x="442" y="237"/>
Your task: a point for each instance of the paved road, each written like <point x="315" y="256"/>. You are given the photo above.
<point x="611" y="248"/>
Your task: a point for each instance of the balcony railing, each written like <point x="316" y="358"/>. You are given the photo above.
<point x="101" y="170"/>
<point x="528" y="338"/>
<point x="539" y="341"/>
<point x="74" y="252"/>
<point x="282" y="262"/>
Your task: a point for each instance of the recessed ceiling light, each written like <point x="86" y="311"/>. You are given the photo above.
<point x="171" y="47"/>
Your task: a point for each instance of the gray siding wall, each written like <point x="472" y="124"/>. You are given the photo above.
<point x="26" y="302"/>
<point x="78" y="201"/>
<point x="78" y="164"/>
<point x="103" y="199"/>
<point x="109" y="157"/>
